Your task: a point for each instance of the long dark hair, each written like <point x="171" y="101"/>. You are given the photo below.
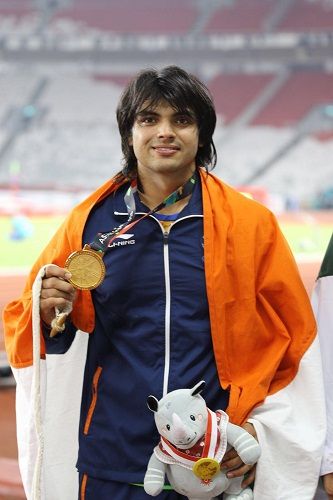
<point x="179" y="89"/>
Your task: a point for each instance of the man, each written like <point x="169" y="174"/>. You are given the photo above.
<point x="204" y="287"/>
<point x="322" y="299"/>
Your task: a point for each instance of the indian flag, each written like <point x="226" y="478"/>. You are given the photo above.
<point x="322" y="301"/>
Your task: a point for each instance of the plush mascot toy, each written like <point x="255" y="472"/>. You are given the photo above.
<point x="193" y="442"/>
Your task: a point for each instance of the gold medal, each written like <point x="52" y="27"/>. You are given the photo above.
<point x="206" y="468"/>
<point x="87" y="269"/>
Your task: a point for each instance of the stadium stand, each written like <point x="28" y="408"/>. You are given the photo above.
<point x="301" y="92"/>
<point x="145" y="16"/>
<point x="258" y="106"/>
<point x="253" y="16"/>
<point x="267" y="110"/>
<point x="240" y="17"/>
<point x="18" y="16"/>
<point x="74" y="129"/>
<point x="17" y="8"/>
<point x="302" y="162"/>
<point x="15" y="89"/>
<point x="78" y="99"/>
<point x="119" y="80"/>
<point x="233" y="92"/>
<point x="307" y="15"/>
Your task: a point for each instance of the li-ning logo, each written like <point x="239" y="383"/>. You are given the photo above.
<point x="123" y="239"/>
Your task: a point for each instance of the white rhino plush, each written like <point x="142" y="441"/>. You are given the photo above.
<point x="193" y="442"/>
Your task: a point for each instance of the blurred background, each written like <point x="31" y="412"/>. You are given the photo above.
<point x="63" y="65"/>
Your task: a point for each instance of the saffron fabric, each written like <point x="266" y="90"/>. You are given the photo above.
<point x="264" y="339"/>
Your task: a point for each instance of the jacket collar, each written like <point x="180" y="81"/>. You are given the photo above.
<point x="194" y="207"/>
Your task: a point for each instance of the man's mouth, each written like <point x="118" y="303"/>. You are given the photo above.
<point x="166" y="150"/>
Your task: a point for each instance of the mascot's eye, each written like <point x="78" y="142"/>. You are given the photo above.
<point x="192" y="417"/>
<point x="168" y="427"/>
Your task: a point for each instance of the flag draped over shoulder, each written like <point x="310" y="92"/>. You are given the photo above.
<point x="322" y="301"/>
<point x="264" y="339"/>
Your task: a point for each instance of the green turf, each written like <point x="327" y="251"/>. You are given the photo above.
<point x="308" y="238"/>
<point x="24" y="253"/>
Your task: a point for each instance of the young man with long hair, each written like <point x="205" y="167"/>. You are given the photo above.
<point x="189" y="280"/>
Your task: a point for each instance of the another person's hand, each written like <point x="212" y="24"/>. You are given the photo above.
<point x="234" y="466"/>
<point x="55" y="292"/>
<point x="328" y="485"/>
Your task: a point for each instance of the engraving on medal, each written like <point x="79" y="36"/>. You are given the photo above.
<point x="87" y="269"/>
<point x="206" y="468"/>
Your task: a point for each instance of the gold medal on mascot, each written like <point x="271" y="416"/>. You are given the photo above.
<point x="206" y="468"/>
<point x="86" y="267"/>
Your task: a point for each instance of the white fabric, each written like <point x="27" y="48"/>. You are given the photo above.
<point x="61" y="421"/>
<point x="322" y="302"/>
<point x="214" y="435"/>
<point x="36" y="386"/>
<point x="61" y="389"/>
<point x="29" y="395"/>
<point x="291" y="429"/>
<point x="25" y="423"/>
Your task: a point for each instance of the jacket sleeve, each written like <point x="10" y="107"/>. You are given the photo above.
<point x="60" y="343"/>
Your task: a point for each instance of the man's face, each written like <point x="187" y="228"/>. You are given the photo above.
<point x="165" y="141"/>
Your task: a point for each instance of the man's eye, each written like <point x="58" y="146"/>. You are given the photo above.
<point x="147" y="119"/>
<point x="184" y="120"/>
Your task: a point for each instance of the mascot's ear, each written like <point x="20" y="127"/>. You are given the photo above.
<point x="198" y="388"/>
<point x="152" y="403"/>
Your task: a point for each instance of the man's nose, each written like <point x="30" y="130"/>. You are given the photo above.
<point x="165" y="129"/>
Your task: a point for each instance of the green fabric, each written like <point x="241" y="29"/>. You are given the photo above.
<point x="326" y="268"/>
<point x="165" y="487"/>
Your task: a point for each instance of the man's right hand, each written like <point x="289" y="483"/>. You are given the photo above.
<point x="55" y="292"/>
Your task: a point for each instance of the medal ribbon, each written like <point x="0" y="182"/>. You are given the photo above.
<point x="209" y="448"/>
<point x="103" y="240"/>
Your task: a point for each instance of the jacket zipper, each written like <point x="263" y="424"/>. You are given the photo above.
<point x="167" y="321"/>
<point x="167" y="333"/>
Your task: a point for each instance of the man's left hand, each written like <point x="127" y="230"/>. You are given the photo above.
<point x="234" y="466"/>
